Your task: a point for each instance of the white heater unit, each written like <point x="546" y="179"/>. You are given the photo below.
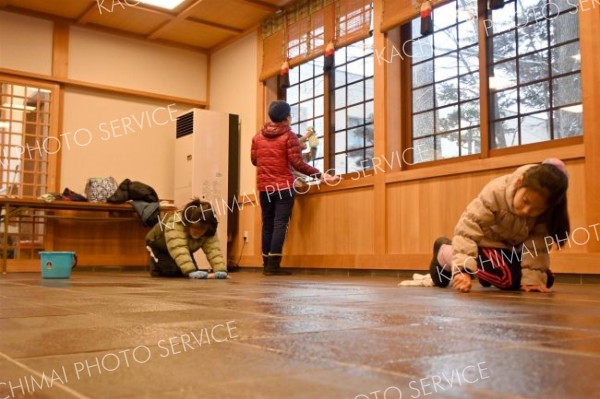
<point x="207" y="167"/>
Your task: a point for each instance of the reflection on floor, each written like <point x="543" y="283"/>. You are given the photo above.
<point x="125" y="335"/>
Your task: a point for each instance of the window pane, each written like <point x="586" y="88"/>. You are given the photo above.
<point x="422" y="99"/>
<point x="423" y="150"/>
<point x="446" y="67"/>
<point x="356" y="138"/>
<point x="566" y="90"/>
<point x="565" y="27"/>
<point x="566" y="59"/>
<point x="340" y="163"/>
<point x="356" y="160"/>
<point x="340" y="119"/>
<point x="568" y="122"/>
<point x="535" y="97"/>
<point x="446" y="92"/>
<point x="340" y="98"/>
<point x="532" y="38"/>
<point x="444" y="16"/>
<point x="356" y="115"/>
<point x="356" y="93"/>
<point x="422" y="74"/>
<point x="446" y="119"/>
<point x="470" y="142"/>
<point x="505" y="134"/>
<point x="423" y="124"/>
<point x="446" y="145"/>
<point x="469" y="114"/>
<point x="505" y="75"/>
<point x="504" y="46"/>
<point x="533" y="67"/>
<point x="355" y="70"/>
<point x="535" y="128"/>
<point x="467" y="33"/>
<point x="504" y="104"/>
<point x="468" y="60"/>
<point x="502" y="20"/>
<point x="421" y="49"/>
<point x="292" y="94"/>
<point x="340" y="142"/>
<point x="445" y="41"/>
<point x="469" y="86"/>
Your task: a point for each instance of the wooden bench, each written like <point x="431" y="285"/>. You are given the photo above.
<point x="102" y="212"/>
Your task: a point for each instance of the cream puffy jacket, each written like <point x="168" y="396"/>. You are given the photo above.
<point x="489" y="221"/>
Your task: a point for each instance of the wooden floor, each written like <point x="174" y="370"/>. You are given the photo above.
<point x="126" y="335"/>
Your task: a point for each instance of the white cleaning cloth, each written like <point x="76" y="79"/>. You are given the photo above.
<point x="419" y="280"/>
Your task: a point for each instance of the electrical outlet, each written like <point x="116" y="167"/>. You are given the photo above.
<point x="246" y="236"/>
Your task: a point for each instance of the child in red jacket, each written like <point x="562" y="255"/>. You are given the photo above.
<point x="275" y="151"/>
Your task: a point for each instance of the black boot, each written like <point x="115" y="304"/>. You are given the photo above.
<point x="273" y="267"/>
<point x="440" y="277"/>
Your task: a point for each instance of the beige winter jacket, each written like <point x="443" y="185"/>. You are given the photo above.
<point x="489" y="221"/>
<point x="171" y="235"/>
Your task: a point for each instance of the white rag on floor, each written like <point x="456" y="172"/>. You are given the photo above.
<point x="418" y="280"/>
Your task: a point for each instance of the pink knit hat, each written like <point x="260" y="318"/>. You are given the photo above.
<point x="559" y="164"/>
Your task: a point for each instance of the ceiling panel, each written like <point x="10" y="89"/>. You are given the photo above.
<point x="194" y="34"/>
<point x="61" y="8"/>
<point x="202" y="24"/>
<point x="133" y="19"/>
<point x="235" y="14"/>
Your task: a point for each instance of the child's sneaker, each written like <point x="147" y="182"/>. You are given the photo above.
<point x="439" y="276"/>
<point x="199" y="274"/>
<point x="220" y="275"/>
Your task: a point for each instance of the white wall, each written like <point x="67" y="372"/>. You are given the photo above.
<point x="129" y="63"/>
<point x="106" y="147"/>
<point x="233" y="89"/>
<point x="25" y="43"/>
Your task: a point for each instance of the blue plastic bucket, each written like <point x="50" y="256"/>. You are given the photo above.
<point x="57" y="264"/>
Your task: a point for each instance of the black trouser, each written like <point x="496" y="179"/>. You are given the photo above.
<point x="276" y="213"/>
<point x="166" y="266"/>
<point x="502" y="269"/>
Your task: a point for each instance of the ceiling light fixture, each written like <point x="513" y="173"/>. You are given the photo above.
<point x="166" y="4"/>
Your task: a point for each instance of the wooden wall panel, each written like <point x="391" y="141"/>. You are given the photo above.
<point x="335" y="223"/>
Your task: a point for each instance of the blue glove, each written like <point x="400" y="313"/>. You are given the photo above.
<point x="198" y="274"/>
<point x="221" y="275"/>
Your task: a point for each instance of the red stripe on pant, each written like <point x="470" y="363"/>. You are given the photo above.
<point x="503" y="281"/>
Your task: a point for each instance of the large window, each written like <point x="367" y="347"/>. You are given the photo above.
<point x="352" y="106"/>
<point x="350" y="117"/>
<point x="306" y="97"/>
<point x="533" y="72"/>
<point x="535" y="78"/>
<point x="445" y="84"/>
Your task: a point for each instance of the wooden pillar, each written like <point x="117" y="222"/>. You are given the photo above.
<point x="589" y="19"/>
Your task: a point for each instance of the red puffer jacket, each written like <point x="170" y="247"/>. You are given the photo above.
<point x="275" y="150"/>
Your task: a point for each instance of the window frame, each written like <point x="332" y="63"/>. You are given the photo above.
<point x="329" y="88"/>
<point x="485" y="66"/>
